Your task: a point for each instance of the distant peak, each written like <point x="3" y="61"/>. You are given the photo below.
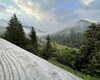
<point x="83" y="20"/>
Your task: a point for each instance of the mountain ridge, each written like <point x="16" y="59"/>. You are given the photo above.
<point x="71" y="35"/>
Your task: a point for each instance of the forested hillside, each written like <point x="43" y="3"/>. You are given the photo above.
<point x="83" y="58"/>
<point x="71" y="36"/>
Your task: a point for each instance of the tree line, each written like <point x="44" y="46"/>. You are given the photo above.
<point x="16" y="35"/>
<point x="86" y="60"/>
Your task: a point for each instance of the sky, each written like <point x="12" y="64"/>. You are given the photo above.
<point x="50" y="15"/>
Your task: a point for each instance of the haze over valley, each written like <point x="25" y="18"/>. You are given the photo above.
<point x="49" y="40"/>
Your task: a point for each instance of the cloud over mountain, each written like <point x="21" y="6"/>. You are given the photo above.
<point x="50" y="15"/>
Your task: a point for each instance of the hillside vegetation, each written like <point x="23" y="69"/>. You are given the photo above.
<point x="85" y="59"/>
<point x="71" y="36"/>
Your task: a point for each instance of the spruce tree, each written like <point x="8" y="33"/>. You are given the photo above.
<point x="15" y="32"/>
<point x="48" y="49"/>
<point x="34" y="40"/>
<point x="89" y="61"/>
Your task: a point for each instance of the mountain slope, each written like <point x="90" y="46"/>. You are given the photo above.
<point x="18" y="64"/>
<point x="72" y="35"/>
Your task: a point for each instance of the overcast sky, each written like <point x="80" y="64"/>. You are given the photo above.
<point x="50" y="15"/>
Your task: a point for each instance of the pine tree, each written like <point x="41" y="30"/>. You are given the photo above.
<point x="15" y="32"/>
<point x="34" y="40"/>
<point x="89" y="61"/>
<point x="48" y="49"/>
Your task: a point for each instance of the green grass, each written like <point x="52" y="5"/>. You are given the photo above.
<point x="77" y="73"/>
<point x="58" y="46"/>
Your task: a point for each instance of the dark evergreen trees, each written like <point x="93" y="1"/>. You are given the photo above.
<point x="89" y="60"/>
<point x="15" y="32"/>
<point x="34" y="40"/>
<point x="48" y="49"/>
<point x="73" y="39"/>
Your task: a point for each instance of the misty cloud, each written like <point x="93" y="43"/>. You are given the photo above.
<point x="2" y="7"/>
<point x="51" y="15"/>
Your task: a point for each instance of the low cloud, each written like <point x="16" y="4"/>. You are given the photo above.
<point x="87" y="2"/>
<point x="46" y="13"/>
<point x="8" y="9"/>
<point x="35" y="8"/>
<point x="2" y="7"/>
<point x="51" y="15"/>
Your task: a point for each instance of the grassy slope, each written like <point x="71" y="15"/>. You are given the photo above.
<point x="67" y="68"/>
<point x="77" y="73"/>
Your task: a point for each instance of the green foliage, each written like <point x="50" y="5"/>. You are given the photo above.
<point x="73" y="71"/>
<point x="33" y="41"/>
<point x="66" y="56"/>
<point x="0" y="35"/>
<point x="73" y="39"/>
<point x="70" y="56"/>
<point x="47" y="52"/>
<point x="89" y="59"/>
<point x="15" y="32"/>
